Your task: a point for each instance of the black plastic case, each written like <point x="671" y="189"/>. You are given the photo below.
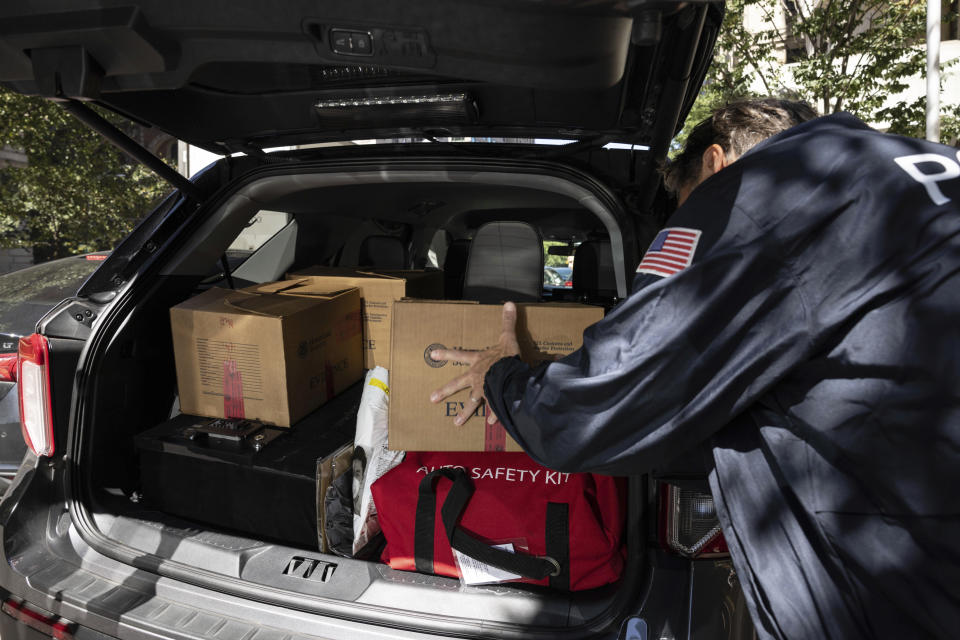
<point x="262" y="485"/>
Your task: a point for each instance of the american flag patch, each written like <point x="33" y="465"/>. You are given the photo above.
<point x="671" y="252"/>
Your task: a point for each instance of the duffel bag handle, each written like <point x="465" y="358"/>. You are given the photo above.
<point x="532" y="567"/>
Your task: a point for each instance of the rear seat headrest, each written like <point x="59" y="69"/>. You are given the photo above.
<point x="455" y="268"/>
<point x="593" y="272"/>
<point x="505" y="263"/>
<point x="383" y="251"/>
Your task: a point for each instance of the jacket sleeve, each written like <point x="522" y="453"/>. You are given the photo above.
<point x="672" y="364"/>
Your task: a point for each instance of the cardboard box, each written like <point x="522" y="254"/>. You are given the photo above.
<point x="544" y="331"/>
<point x="265" y="355"/>
<point x="379" y="289"/>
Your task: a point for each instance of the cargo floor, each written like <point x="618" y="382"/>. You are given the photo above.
<point x="197" y="538"/>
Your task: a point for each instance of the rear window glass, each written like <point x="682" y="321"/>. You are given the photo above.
<point x="261" y="228"/>
<point x="26" y="295"/>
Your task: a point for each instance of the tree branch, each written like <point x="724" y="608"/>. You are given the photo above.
<point x="760" y="74"/>
<point x="770" y="18"/>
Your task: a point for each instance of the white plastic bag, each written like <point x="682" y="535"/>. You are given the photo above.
<point x="371" y="458"/>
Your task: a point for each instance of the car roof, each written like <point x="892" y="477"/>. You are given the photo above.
<point x="263" y="74"/>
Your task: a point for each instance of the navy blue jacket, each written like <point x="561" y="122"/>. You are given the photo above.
<point x="813" y="344"/>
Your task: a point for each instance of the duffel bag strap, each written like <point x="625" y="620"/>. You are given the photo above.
<point x="532" y="567"/>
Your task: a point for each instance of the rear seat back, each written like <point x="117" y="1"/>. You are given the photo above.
<point x="385" y="252"/>
<point x="505" y="263"/>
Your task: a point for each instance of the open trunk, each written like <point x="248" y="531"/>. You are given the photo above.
<point x="325" y="210"/>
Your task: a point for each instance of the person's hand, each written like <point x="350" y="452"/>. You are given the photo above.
<point x="480" y="362"/>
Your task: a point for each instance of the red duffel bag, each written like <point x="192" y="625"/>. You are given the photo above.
<point x="565" y="528"/>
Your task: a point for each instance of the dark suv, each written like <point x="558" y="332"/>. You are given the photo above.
<point x="455" y="100"/>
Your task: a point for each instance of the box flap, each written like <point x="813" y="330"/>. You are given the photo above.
<point x="343" y="272"/>
<point x="305" y="287"/>
<point x="244" y="302"/>
<point x="212" y="297"/>
<point x="405" y="274"/>
<point x="273" y="287"/>
<point x="421" y="301"/>
<point x="274" y="306"/>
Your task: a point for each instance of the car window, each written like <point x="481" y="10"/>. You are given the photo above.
<point x="258" y="231"/>
<point x="26" y="295"/>
<point x="261" y="228"/>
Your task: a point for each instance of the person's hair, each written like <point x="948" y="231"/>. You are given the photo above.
<point x="736" y="127"/>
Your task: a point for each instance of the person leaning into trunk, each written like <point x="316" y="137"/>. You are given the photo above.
<point x="799" y="318"/>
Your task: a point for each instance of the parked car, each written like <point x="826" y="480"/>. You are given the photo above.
<point x="452" y="98"/>
<point x="26" y="296"/>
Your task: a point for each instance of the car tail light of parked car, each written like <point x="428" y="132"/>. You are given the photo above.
<point x="33" y="375"/>
<point x="8" y="367"/>
<point x="39" y="620"/>
<point x="688" y="523"/>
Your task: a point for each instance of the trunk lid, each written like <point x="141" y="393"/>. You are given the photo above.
<point x="263" y="75"/>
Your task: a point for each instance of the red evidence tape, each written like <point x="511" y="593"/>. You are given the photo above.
<point x="495" y="436"/>
<point x="232" y="390"/>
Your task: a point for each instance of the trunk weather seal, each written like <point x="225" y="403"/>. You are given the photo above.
<point x="116" y="315"/>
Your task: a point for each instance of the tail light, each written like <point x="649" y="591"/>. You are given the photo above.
<point x="33" y="378"/>
<point x="39" y="620"/>
<point x="688" y="523"/>
<point x="8" y="367"/>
